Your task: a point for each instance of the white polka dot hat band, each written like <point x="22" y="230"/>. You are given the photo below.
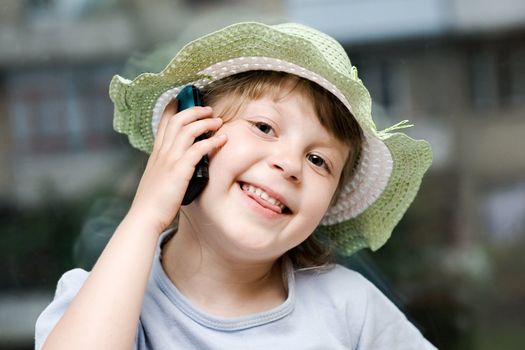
<point x="391" y="165"/>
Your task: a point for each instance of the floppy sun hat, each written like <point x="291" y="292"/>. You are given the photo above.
<point x="390" y="166"/>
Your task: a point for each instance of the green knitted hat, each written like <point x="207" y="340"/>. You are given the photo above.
<point x="391" y="164"/>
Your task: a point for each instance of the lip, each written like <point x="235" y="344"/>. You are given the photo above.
<point x="267" y="208"/>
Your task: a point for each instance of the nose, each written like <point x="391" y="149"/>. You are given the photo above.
<point x="288" y="164"/>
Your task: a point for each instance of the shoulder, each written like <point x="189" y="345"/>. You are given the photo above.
<point x="335" y="281"/>
<point x="340" y="292"/>
<point x="69" y="284"/>
<point x="336" y="288"/>
<point x="67" y="288"/>
<point x="372" y="319"/>
<point x="71" y="281"/>
<point x="346" y="289"/>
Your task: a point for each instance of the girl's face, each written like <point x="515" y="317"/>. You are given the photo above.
<point x="271" y="183"/>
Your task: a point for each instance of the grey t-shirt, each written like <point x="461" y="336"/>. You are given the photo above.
<point x="332" y="309"/>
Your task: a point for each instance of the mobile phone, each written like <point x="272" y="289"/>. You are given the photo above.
<point x="188" y="97"/>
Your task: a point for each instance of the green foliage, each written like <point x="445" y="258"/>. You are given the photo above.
<point x="36" y="244"/>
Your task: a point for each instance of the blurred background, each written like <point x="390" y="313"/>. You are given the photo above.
<point x="455" y="68"/>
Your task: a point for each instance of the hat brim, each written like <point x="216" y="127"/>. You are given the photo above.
<point x="373" y="227"/>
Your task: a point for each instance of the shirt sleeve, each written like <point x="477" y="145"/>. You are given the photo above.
<point x="386" y="327"/>
<point x="67" y="288"/>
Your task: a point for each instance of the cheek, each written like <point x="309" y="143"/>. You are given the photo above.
<point x="317" y="210"/>
<point x="317" y="198"/>
<point x="235" y="156"/>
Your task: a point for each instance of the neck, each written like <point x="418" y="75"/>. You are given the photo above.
<point x="217" y="283"/>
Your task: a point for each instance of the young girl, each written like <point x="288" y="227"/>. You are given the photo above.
<point x="297" y="171"/>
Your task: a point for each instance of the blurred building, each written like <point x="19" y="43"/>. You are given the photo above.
<point x="55" y="63"/>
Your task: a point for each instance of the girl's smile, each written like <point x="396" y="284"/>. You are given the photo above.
<point x="265" y="201"/>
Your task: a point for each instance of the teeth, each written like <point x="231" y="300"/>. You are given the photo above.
<point x="260" y="193"/>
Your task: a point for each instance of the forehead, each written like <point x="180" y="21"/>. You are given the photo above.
<point x="228" y="105"/>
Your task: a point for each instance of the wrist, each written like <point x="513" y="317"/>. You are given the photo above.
<point x="140" y="222"/>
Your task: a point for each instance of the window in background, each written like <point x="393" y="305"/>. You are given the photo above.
<point x="380" y="77"/>
<point x="497" y="76"/>
<point x="503" y="212"/>
<point x="60" y="111"/>
<point x="379" y="81"/>
<point x="483" y="79"/>
<point x="517" y="76"/>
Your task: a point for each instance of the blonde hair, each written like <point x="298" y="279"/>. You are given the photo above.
<point x="331" y="113"/>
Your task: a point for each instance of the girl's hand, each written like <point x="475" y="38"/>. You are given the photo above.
<point x="172" y="163"/>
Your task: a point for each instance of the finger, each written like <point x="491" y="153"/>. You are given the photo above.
<point x="178" y="123"/>
<point x="171" y="109"/>
<point x="188" y="133"/>
<point x="172" y="123"/>
<point x="192" y="114"/>
<point x="201" y="148"/>
<point x="187" y="116"/>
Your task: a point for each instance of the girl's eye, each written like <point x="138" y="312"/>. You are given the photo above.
<point x="317" y="161"/>
<point x="263" y="127"/>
